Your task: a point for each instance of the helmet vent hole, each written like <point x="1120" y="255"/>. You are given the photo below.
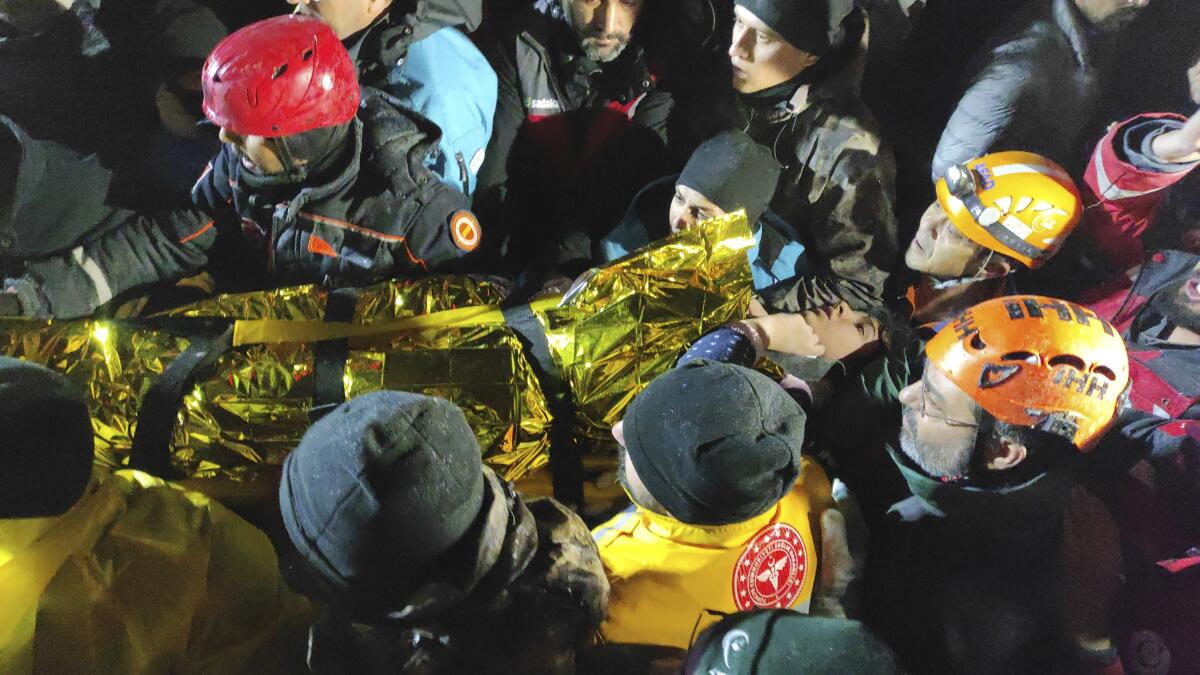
<point x="1068" y="360"/>
<point x="308" y="54"/>
<point x="977" y="342"/>
<point x="1025" y="357"/>
<point x="280" y="70"/>
<point x="216" y="78"/>
<point x="1105" y="372"/>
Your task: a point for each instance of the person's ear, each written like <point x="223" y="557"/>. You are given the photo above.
<point x="1004" y="453"/>
<point x="377" y="7"/>
<point x="998" y="266"/>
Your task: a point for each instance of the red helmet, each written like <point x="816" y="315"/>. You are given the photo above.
<point x="280" y="77"/>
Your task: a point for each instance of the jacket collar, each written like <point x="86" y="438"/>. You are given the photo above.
<point x="1030" y="508"/>
<point x="723" y="536"/>
<point x="1075" y="28"/>
<point x="342" y="179"/>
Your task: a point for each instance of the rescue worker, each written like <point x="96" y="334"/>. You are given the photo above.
<point x="793" y="68"/>
<point x="993" y="217"/>
<point x="962" y="573"/>
<point x="727" y="172"/>
<point x="317" y="184"/>
<point x="965" y="261"/>
<point x="419" y="54"/>
<point x="428" y="561"/>
<point x="123" y="572"/>
<point x="723" y="505"/>
<point x="580" y="126"/>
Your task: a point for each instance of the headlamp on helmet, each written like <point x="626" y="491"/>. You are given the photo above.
<point x="1017" y="204"/>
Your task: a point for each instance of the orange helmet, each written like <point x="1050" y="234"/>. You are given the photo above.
<point x="1037" y="362"/>
<point x="1016" y="203"/>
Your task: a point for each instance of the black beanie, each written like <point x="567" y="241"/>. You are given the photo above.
<point x="733" y="172"/>
<point x="782" y="641"/>
<point x="46" y="451"/>
<point x="809" y="25"/>
<point x="376" y="491"/>
<point x="715" y="443"/>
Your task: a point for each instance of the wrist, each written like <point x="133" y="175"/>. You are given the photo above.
<point x="1166" y="148"/>
<point x="752" y="332"/>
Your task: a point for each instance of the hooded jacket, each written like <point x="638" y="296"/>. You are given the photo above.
<point x="140" y="576"/>
<point x="534" y="592"/>
<point x="837" y="189"/>
<point x="1037" y="90"/>
<point x="379" y="214"/>
<point x="670" y="579"/>
<point x="422" y="59"/>
<point x="958" y="578"/>
<point x="67" y="257"/>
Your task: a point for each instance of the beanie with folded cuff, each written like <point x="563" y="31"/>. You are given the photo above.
<point x="715" y="443"/>
<point x="733" y="172"/>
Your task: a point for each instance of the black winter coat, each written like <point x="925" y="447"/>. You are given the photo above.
<point x="1035" y="92"/>
<point x="380" y="214"/>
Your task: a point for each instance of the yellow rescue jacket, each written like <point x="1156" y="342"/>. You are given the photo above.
<point x="141" y="576"/>
<point x="670" y="579"/>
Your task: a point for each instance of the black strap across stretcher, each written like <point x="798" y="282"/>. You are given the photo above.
<point x="159" y="410"/>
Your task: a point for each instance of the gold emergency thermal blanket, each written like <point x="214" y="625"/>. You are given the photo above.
<point x="441" y="336"/>
<point x="635" y="317"/>
<point x="253" y="408"/>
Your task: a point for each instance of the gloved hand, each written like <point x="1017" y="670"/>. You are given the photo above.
<point x="10" y="305"/>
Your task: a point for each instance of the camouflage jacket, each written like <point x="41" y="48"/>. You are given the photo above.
<point x="533" y="593"/>
<point x="837" y="190"/>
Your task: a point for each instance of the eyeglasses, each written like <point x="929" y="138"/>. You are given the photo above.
<point x="949" y="422"/>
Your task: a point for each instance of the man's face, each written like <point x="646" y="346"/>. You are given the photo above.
<point x="604" y="27"/>
<point x="841" y="330"/>
<point x="1111" y="13"/>
<point x="761" y="58"/>
<point x="345" y="17"/>
<point x="1180" y="301"/>
<point x="940" y="250"/>
<point x="257" y="153"/>
<point x="940" y="425"/>
<point x="689" y="207"/>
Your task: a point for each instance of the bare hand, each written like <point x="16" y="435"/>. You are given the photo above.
<point x="1181" y="145"/>
<point x="788" y="333"/>
<point x="756" y="309"/>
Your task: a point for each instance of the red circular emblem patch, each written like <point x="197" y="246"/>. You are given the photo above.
<point x="771" y="571"/>
<point x="464" y="228"/>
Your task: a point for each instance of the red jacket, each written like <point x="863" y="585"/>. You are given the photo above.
<point x="1155" y="506"/>
<point x="1122" y="199"/>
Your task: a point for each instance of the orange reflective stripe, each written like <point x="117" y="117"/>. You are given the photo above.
<point x="208" y="226"/>
<point x="319" y="246"/>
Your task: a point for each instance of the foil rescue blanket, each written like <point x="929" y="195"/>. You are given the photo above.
<point x="612" y="334"/>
